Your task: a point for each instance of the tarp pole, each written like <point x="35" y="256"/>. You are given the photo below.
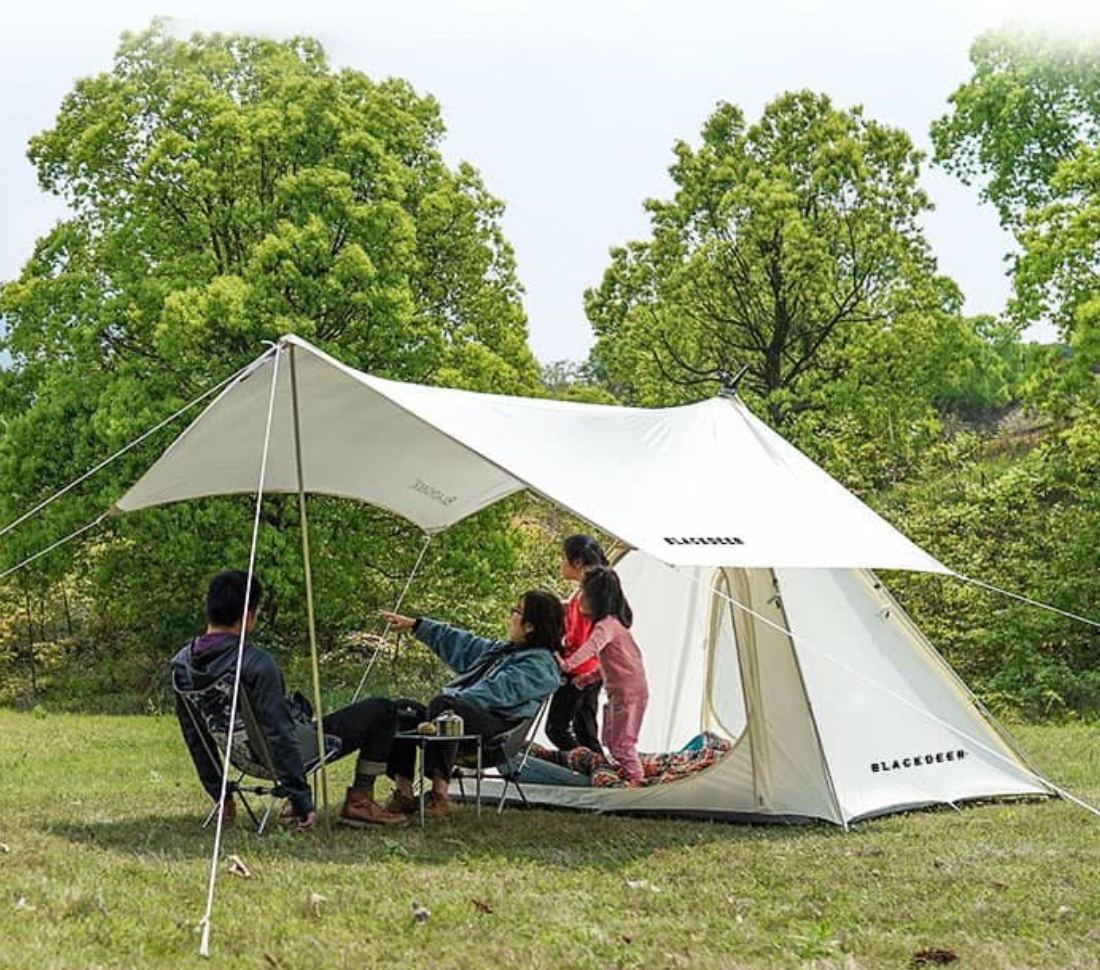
<point x="205" y="922"/>
<point x="307" y="568"/>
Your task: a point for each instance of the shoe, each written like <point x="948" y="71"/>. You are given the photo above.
<point x="361" y="810"/>
<point x="399" y="804"/>
<point x="436" y="806"/>
<point x="229" y="811"/>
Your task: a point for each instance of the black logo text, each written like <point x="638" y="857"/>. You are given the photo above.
<point x="917" y="761"/>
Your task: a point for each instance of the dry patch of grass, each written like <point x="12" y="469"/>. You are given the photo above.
<point x="103" y="865"/>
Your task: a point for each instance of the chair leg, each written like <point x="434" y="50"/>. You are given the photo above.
<point x="233" y="790"/>
<point x="511" y="780"/>
<point x="480" y="774"/>
<point x="251" y="813"/>
<point x="272" y="801"/>
<point x="523" y="797"/>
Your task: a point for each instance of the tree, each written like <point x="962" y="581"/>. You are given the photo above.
<point x="1058" y="277"/>
<point x="226" y="190"/>
<point x="791" y="248"/>
<point x="1033" y="100"/>
<point x="568" y="380"/>
<point x="1026" y="126"/>
<point x="1027" y="123"/>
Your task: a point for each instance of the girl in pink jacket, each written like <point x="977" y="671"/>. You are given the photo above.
<point x="621" y="667"/>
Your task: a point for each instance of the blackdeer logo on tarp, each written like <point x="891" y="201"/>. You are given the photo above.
<point x="704" y="541"/>
<point x="918" y="760"/>
<point x="433" y="493"/>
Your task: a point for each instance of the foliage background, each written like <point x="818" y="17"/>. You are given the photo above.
<point x="226" y="190"/>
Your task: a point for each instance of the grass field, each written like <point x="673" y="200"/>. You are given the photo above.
<point x="103" y="864"/>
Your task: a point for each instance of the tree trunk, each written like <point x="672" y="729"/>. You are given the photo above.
<point x="68" y="611"/>
<point x="30" y="651"/>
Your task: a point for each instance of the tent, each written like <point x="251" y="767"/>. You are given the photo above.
<point x="750" y="574"/>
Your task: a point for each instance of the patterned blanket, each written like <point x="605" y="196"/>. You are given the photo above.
<point x="660" y="767"/>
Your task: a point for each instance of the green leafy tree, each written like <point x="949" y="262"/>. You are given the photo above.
<point x="568" y="380"/>
<point x="1012" y="513"/>
<point x="791" y="248"/>
<point x="1027" y="125"/>
<point x="1033" y="100"/>
<point x="225" y="190"/>
<point x="1058" y="280"/>
<point x="872" y="424"/>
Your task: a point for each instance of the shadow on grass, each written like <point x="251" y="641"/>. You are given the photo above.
<point x="518" y="836"/>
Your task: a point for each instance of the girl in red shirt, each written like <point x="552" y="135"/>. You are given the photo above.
<point x="620" y="663"/>
<point x="571" y="721"/>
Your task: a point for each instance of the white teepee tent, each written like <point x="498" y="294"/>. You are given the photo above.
<point x="837" y="705"/>
<point x="756" y="610"/>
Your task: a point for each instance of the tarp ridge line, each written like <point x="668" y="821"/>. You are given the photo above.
<point x="122" y="451"/>
<point x="1026" y="599"/>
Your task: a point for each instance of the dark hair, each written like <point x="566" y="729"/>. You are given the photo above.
<point x="226" y="594"/>
<point x="544" y="612"/>
<point x="603" y="593"/>
<point x="583" y="549"/>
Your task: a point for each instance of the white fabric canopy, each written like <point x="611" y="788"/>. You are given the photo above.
<point x="775" y="636"/>
<point x="703" y="484"/>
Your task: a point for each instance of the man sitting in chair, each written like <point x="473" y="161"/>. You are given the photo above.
<point x="499" y="683"/>
<point x="366" y="726"/>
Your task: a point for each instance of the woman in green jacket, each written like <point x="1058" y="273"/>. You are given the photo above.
<point x="499" y="683"/>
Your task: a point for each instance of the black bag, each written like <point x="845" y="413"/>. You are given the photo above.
<point x="301" y="710"/>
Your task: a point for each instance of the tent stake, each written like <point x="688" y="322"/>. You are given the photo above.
<point x="317" y="705"/>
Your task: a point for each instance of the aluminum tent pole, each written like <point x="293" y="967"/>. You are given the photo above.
<point x="308" y="570"/>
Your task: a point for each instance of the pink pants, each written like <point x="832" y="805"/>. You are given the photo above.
<point x="622" y="720"/>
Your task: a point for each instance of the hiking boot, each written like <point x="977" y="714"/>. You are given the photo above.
<point x="436" y="806"/>
<point x="399" y="804"/>
<point x="361" y="810"/>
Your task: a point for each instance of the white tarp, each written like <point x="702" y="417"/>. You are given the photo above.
<point x="703" y="484"/>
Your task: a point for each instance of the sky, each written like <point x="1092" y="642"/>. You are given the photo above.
<point x="569" y="109"/>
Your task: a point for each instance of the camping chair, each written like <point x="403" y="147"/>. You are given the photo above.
<point x="250" y="755"/>
<point x="505" y="754"/>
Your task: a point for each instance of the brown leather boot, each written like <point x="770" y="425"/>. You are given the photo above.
<point x="361" y="810"/>
<point x="436" y="806"/>
<point x="399" y="804"/>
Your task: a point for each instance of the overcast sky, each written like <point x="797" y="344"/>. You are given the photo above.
<point x="569" y="109"/>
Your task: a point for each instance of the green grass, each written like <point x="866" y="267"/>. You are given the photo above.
<point x="105" y="866"/>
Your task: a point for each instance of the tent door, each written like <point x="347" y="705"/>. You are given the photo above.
<point x="733" y="697"/>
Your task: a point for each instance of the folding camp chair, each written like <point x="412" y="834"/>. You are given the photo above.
<point x="208" y="710"/>
<point x="505" y="755"/>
